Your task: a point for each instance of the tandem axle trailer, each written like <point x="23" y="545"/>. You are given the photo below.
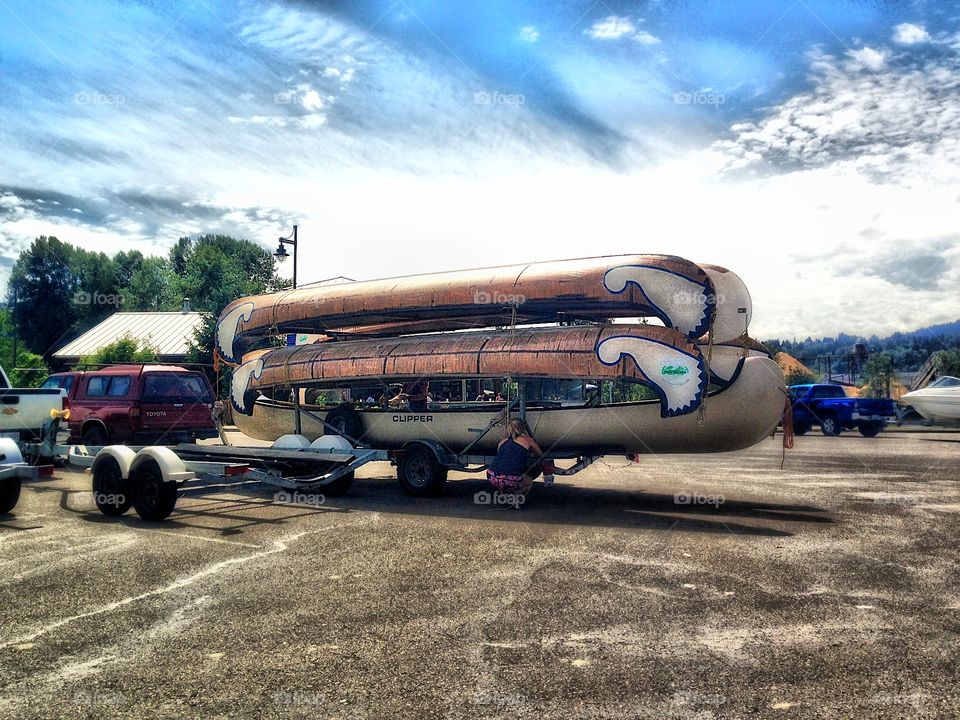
<point x="148" y="478"/>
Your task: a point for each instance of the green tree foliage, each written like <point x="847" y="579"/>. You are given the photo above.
<point x="124" y="350"/>
<point x="799" y="376"/>
<point x="27" y="369"/>
<point x="58" y="291"/>
<point x="41" y="293"/>
<point x="218" y="269"/>
<point x="152" y="286"/>
<point x="878" y="375"/>
<point x="948" y="362"/>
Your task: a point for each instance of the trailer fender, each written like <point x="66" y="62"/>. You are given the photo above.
<point x="9" y="452"/>
<point x="121" y="453"/>
<point x="290" y="442"/>
<point x="442" y="455"/>
<point x="171" y="466"/>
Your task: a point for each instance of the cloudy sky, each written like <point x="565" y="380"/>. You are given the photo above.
<point x="812" y="146"/>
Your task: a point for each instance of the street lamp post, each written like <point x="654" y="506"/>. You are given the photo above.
<point x="281" y="253"/>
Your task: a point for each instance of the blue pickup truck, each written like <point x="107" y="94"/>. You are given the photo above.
<point x="829" y="407"/>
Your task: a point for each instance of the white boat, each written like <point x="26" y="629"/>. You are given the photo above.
<point x="939" y="402"/>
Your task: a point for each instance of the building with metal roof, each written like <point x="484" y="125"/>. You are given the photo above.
<point x="169" y="333"/>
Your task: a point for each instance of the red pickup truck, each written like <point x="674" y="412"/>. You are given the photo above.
<point x="137" y="404"/>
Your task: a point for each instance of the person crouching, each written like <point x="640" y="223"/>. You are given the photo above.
<point x="516" y="454"/>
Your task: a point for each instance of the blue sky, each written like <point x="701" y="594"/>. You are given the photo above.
<point x="810" y="146"/>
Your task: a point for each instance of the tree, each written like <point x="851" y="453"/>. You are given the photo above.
<point x="124" y="350"/>
<point x="151" y="286"/>
<point x="218" y="269"/>
<point x="947" y="362"/>
<point x="799" y="376"/>
<point x="878" y="374"/>
<point x="27" y="369"/>
<point x="42" y="292"/>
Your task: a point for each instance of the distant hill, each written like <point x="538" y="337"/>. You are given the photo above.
<point x="909" y="350"/>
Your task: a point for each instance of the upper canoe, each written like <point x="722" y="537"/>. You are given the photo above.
<point x="686" y="297"/>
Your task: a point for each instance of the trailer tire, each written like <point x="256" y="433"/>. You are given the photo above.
<point x="153" y="497"/>
<point x="870" y="430"/>
<point x="112" y="493"/>
<point x="419" y="472"/>
<point x="9" y="494"/>
<point x="346" y="421"/>
<point x="340" y="486"/>
<point x="801" y="428"/>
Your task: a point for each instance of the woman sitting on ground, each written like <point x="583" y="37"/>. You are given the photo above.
<point x="516" y="453"/>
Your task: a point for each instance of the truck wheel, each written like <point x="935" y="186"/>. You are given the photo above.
<point x="153" y="498"/>
<point x="801" y="428"/>
<point x="94" y="436"/>
<point x="830" y="426"/>
<point x="346" y="422"/>
<point x="419" y="472"/>
<point x="9" y="494"/>
<point x="112" y="494"/>
<point x="870" y="430"/>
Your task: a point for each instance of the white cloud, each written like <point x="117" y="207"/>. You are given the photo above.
<point x="910" y="34"/>
<point x="867" y="58"/>
<point x="611" y="28"/>
<point x="645" y="38"/>
<point x="900" y="124"/>
<point x="529" y="33"/>
<point x="331" y="72"/>
<point x="615" y="27"/>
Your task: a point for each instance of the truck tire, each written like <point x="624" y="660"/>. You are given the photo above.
<point x="870" y="430"/>
<point x="9" y="494"/>
<point x="153" y="498"/>
<point x="419" y="472"/>
<point x="801" y="428"/>
<point x="346" y="421"/>
<point x="830" y="426"/>
<point x="94" y="435"/>
<point x="112" y="494"/>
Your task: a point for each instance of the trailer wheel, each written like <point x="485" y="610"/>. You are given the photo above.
<point x="9" y="494"/>
<point x="869" y="430"/>
<point x="112" y="494"/>
<point x="801" y="428"/>
<point x="345" y="421"/>
<point x="340" y="486"/>
<point x="153" y="498"/>
<point x="419" y="472"/>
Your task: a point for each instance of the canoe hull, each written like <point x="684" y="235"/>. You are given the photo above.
<point x="735" y="418"/>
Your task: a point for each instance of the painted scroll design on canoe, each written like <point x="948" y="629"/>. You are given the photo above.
<point x="678" y="378"/>
<point x="241" y="396"/>
<point x="683" y="304"/>
<point x="227" y="327"/>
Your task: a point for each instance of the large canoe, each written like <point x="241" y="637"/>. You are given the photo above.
<point x="662" y="359"/>
<point x="736" y="417"/>
<point x="684" y="296"/>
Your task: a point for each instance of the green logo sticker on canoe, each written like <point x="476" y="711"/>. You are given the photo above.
<point x="675" y="374"/>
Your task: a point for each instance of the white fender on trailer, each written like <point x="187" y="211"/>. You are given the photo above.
<point x="331" y="442"/>
<point x="171" y="466"/>
<point x="9" y="452"/>
<point x="291" y="442"/>
<point x="121" y="453"/>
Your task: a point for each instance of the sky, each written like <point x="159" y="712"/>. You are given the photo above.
<point x="811" y="146"/>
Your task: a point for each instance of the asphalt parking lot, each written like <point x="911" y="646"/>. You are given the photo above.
<point x="691" y="587"/>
